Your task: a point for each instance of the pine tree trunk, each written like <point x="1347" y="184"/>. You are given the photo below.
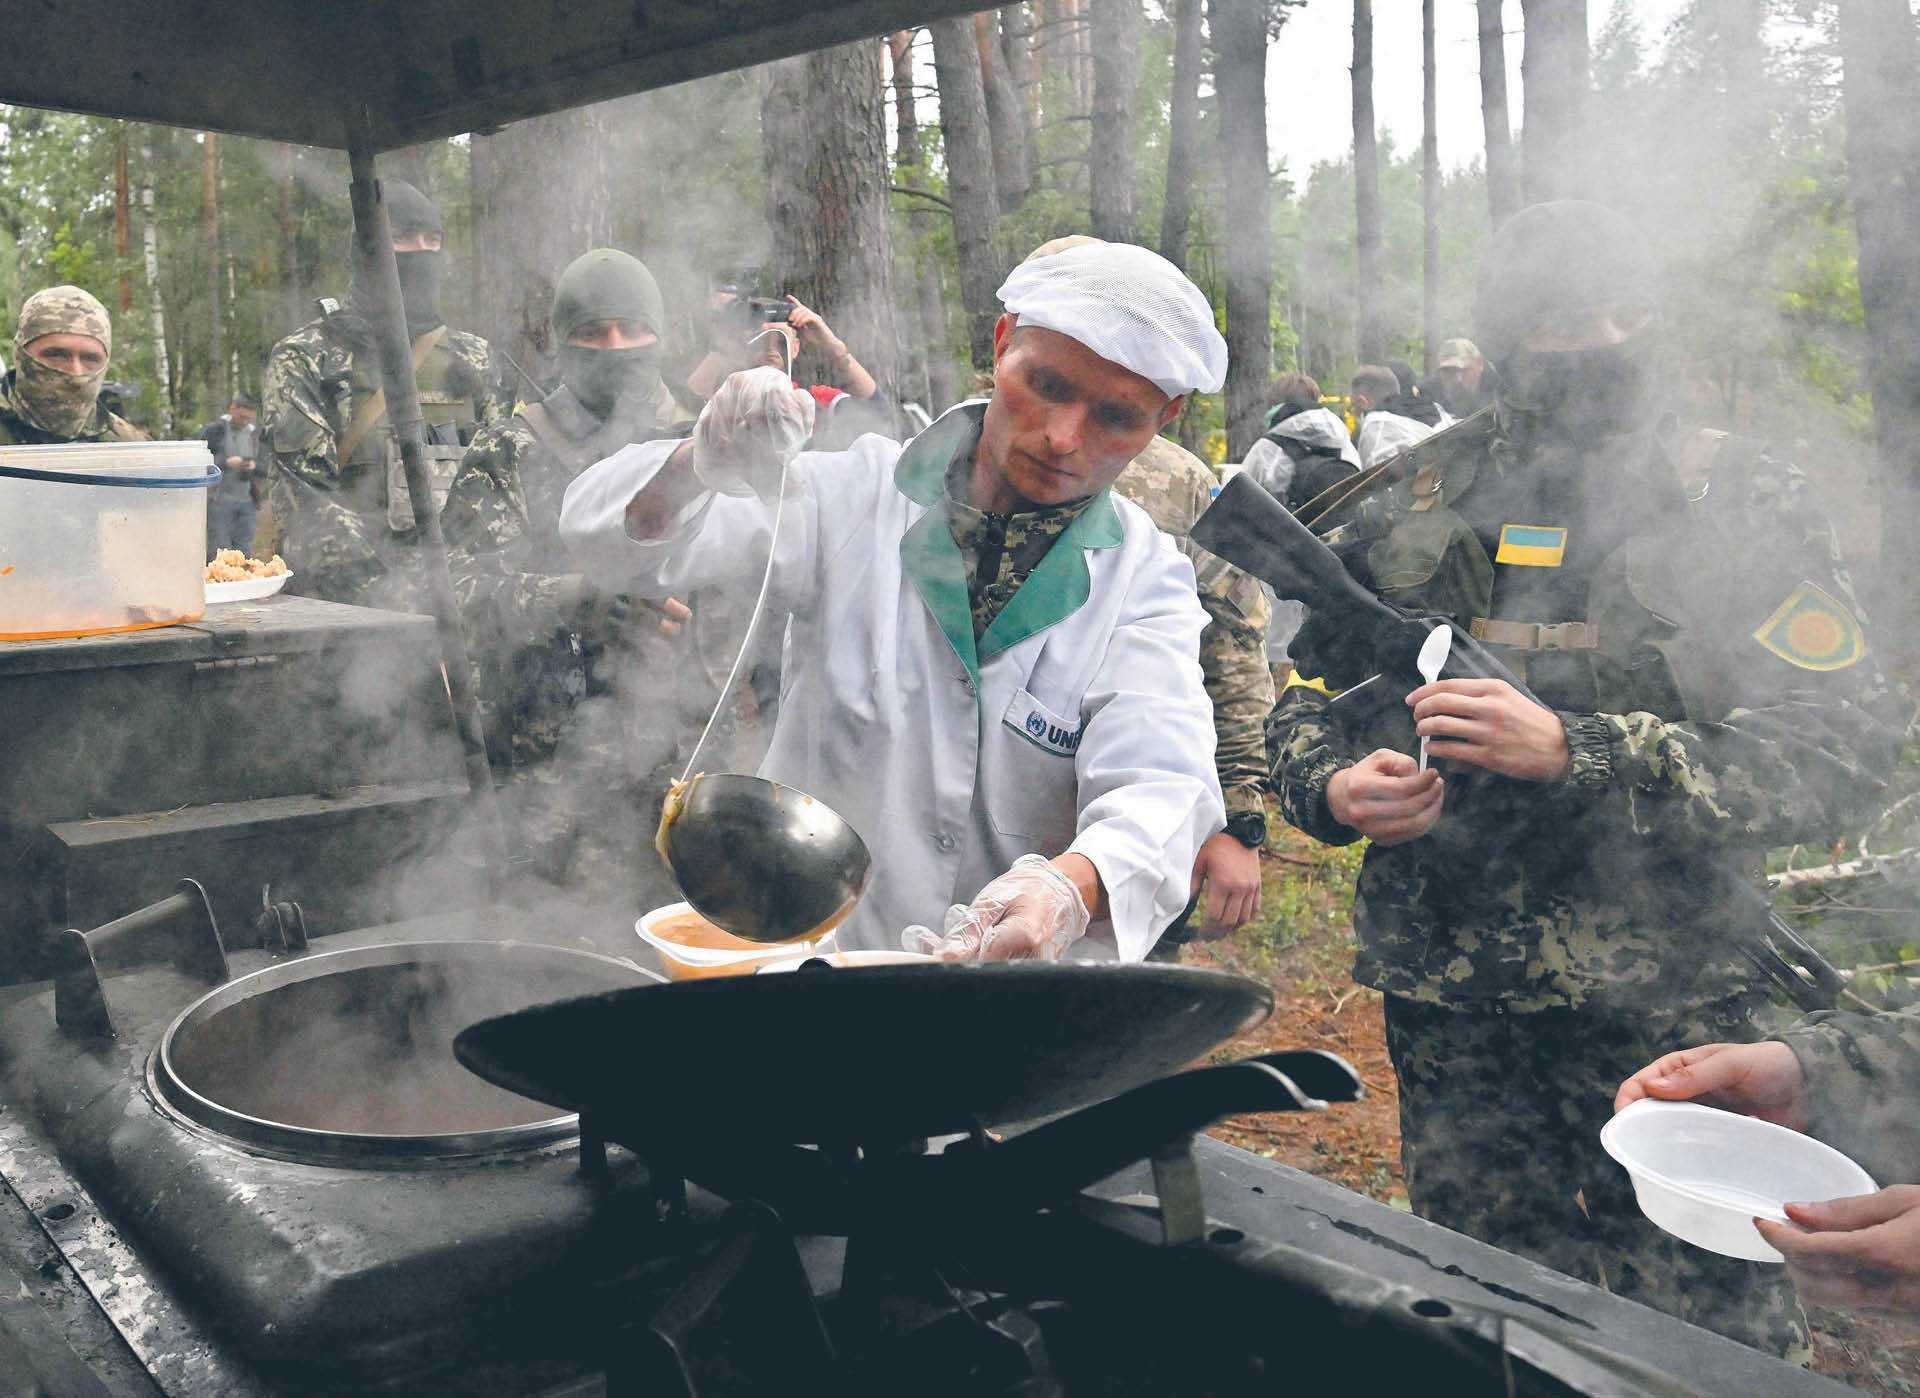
<point x="150" y="250"/>
<point x="906" y="119"/>
<point x="976" y="210"/>
<point x="1503" y="188"/>
<point x="540" y="198"/>
<point x="1554" y="80"/>
<point x="210" y="244"/>
<point x="825" y="137"/>
<point x="1366" y="193"/>
<point x="1116" y="75"/>
<point x="1429" y="195"/>
<point x="1016" y="45"/>
<point x="287" y="226"/>
<point x="1006" y="117"/>
<point x="122" y="221"/>
<point x="1882" y="77"/>
<point x="1240" y="78"/>
<point x="1183" y="132"/>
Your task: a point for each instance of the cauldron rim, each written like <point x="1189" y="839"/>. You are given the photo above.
<point x="316" y="1145"/>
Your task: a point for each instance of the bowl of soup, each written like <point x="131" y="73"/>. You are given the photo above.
<point x="691" y="947"/>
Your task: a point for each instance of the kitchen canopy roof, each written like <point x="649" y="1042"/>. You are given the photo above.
<point x="291" y="70"/>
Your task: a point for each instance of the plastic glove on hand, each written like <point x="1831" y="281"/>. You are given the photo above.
<point x="1031" y="912"/>
<point x="755" y="423"/>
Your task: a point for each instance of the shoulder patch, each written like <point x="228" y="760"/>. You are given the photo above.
<point x="1813" y="630"/>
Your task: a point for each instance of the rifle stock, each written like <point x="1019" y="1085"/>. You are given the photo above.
<point x="1253" y="531"/>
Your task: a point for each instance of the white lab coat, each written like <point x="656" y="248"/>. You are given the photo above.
<point x="1083" y="728"/>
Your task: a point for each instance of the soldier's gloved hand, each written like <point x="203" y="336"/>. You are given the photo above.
<point x="585" y="609"/>
<point x="1331" y="652"/>
<point x="755" y="423"/>
<point x="1032" y="911"/>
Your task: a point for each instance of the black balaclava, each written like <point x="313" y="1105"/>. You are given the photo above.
<point x="410" y="211"/>
<point x="1550" y="263"/>
<point x="608" y="285"/>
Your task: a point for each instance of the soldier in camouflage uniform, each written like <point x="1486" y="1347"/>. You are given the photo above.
<point x="52" y="394"/>
<point x="1853" y="1081"/>
<point x="582" y="700"/>
<point x="1175" y="487"/>
<point x="335" y="486"/>
<point x="1543" y="919"/>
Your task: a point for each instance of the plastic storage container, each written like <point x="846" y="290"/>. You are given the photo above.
<point x="81" y="557"/>
<point x="1704" y="1175"/>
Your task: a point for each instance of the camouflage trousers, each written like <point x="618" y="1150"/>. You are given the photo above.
<point x="1500" y="1119"/>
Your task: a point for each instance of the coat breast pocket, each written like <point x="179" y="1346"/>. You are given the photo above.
<point x="1029" y="775"/>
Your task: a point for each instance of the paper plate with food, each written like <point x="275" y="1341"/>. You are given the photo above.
<point x="234" y="577"/>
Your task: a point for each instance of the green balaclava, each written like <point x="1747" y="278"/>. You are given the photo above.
<point x="606" y="284"/>
<point x="51" y="399"/>
<point x="410" y="211"/>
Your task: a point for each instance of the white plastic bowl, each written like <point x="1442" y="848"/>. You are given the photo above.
<point x="683" y="962"/>
<point x="848" y="958"/>
<point x="1704" y="1175"/>
<point x="246" y="589"/>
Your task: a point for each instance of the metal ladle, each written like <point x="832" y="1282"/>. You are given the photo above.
<point x="761" y="860"/>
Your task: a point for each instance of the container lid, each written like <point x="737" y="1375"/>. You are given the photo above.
<point x="135" y="458"/>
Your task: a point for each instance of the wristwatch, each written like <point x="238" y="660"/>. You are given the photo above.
<point x="1249" y="828"/>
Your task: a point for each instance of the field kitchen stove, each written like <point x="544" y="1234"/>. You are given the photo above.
<point x="187" y="1212"/>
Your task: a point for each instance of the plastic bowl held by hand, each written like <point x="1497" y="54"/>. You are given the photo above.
<point x="1704" y="1175"/>
<point x="718" y="953"/>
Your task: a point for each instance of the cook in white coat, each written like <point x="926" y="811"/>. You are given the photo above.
<point x="1048" y="774"/>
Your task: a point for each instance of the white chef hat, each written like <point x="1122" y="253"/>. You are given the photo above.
<point x="1125" y="304"/>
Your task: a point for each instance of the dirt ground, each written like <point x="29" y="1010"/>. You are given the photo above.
<point x="1302" y="945"/>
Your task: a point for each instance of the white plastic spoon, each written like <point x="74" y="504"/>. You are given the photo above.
<point x="1433" y="656"/>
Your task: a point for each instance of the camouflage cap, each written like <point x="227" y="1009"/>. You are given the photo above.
<point x="63" y="310"/>
<point x="1457" y="354"/>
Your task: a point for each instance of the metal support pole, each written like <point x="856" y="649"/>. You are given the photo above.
<point x="373" y="247"/>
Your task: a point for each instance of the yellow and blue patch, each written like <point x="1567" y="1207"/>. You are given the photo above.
<point x="1531" y="545"/>
<point x="1813" y="630"/>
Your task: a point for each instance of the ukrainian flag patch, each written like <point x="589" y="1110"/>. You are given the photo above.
<point x="1531" y="545"/>
<point x="1813" y="630"/>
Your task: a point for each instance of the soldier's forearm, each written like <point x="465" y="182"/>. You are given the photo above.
<point x="1788" y="773"/>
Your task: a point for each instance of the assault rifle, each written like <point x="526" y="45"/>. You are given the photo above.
<point x="1253" y="531"/>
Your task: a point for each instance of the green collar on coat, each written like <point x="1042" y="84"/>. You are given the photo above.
<point x="1055" y="590"/>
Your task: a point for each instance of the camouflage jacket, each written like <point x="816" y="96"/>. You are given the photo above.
<point x="1700" y="733"/>
<point x="1862" y="1087"/>
<point x="16" y="431"/>
<point x="332" y="514"/>
<point x="520" y="607"/>
<point x="1175" y="487"/>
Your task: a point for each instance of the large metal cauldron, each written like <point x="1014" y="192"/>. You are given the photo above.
<point x="347" y="1057"/>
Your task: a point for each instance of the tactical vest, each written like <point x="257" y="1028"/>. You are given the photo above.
<point x="447" y="402"/>
<point x="1575" y="574"/>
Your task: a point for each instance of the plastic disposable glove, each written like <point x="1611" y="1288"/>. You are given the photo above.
<point x="1032" y="911"/>
<point x="755" y="423"/>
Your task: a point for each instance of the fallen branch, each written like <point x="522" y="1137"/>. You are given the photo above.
<point x="1829" y="873"/>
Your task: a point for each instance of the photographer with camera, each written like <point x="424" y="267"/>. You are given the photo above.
<point x="747" y="332"/>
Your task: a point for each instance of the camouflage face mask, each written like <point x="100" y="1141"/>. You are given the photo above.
<point x="51" y="399"/>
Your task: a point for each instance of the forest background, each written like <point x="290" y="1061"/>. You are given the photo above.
<point x="891" y="184"/>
